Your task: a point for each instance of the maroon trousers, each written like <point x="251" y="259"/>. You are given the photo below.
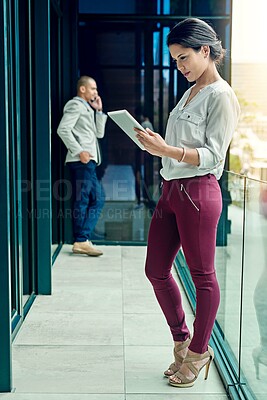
<point x="186" y="216"/>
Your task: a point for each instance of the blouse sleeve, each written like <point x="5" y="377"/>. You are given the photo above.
<point x="222" y="120"/>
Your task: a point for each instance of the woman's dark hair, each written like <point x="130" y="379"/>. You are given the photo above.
<point x="194" y="33"/>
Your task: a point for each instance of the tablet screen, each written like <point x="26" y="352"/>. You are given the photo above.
<point x="127" y="123"/>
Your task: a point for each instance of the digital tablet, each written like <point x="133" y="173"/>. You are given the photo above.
<point x="127" y="123"/>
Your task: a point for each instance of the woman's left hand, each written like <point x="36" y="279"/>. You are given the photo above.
<point x="152" y="142"/>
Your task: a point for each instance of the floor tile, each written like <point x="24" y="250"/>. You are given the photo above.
<point x="144" y="368"/>
<point x="134" y="252"/>
<point x="96" y="279"/>
<point x="80" y="300"/>
<point x="81" y="263"/>
<point x="55" y="396"/>
<point x="175" y="396"/>
<point x="68" y="369"/>
<point x="71" y="329"/>
<point x="133" y="276"/>
<point x="144" y="329"/>
<point x="140" y="302"/>
<point x="144" y="301"/>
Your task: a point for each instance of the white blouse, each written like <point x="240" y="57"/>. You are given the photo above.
<point x="207" y="124"/>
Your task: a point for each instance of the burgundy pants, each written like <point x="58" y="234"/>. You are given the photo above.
<point x="186" y="215"/>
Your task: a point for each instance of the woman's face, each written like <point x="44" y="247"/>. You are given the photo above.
<point x="190" y="63"/>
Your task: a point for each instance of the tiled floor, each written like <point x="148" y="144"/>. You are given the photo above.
<point x="100" y="336"/>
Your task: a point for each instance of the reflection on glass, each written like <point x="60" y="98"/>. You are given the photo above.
<point x="260" y="299"/>
<point x="156" y="48"/>
<point x="254" y="324"/>
<point x="179" y="7"/>
<point x="229" y="259"/>
<point x="156" y="95"/>
<point x="166" y="84"/>
<point x="175" y="92"/>
<point x="166" y="6"/>
<point x="123" y="218"/>
<point x="165" y="52"/>
<point x="249" y="148"/>
<point x="210" y="7"/>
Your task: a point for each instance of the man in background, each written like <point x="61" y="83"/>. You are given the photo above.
<point x="82" y="123"/>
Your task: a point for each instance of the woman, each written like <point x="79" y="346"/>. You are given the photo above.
<point x="198" y="134"/>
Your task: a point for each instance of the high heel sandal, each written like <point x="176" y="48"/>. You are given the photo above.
<point x="176" y="365"/>
<point x="189" y="360"/>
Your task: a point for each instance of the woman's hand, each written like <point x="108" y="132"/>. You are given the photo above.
<point x="152" y="142"/>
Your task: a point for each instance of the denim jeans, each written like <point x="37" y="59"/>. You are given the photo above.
<point x="88" y="199"/>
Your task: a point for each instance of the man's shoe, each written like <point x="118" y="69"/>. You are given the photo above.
<point x="86" y="248"/>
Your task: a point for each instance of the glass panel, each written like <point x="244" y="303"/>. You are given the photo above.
<point x="107" y="7"/>
<point x="156" y="49"/>
<point x="166" y="88"/>
<point x="142" y="86"/>
<point x="254" y="325"/>
<point x="27" y="152"/>
<point x="229" y="259"/>
<point x="124" y="216"/>
<point x="166" y="6"/>
<point x="210" y="7"/>
<point x="119" y="7"/>
<point x="156" y="98"/>
<point x="57" y="157"/>
<point x="248" y="149"/>
<point x="180" y="7"/>
<point x="14" y="161"/>
<point x="165" y="51"/>
<point x="115" y="48"/>
<point x="175" y="84"/>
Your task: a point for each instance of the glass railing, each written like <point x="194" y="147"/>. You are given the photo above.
<point x="253" y="355"/>
<point x="240" y="331"/>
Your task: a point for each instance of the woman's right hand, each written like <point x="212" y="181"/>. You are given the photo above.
<point x="152" y="142"/>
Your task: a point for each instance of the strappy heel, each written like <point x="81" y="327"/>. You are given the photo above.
<point x="176" y="365"/>
<point x="189" y="360"/>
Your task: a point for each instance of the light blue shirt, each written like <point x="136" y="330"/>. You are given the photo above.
<point x="207" y="124"/>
